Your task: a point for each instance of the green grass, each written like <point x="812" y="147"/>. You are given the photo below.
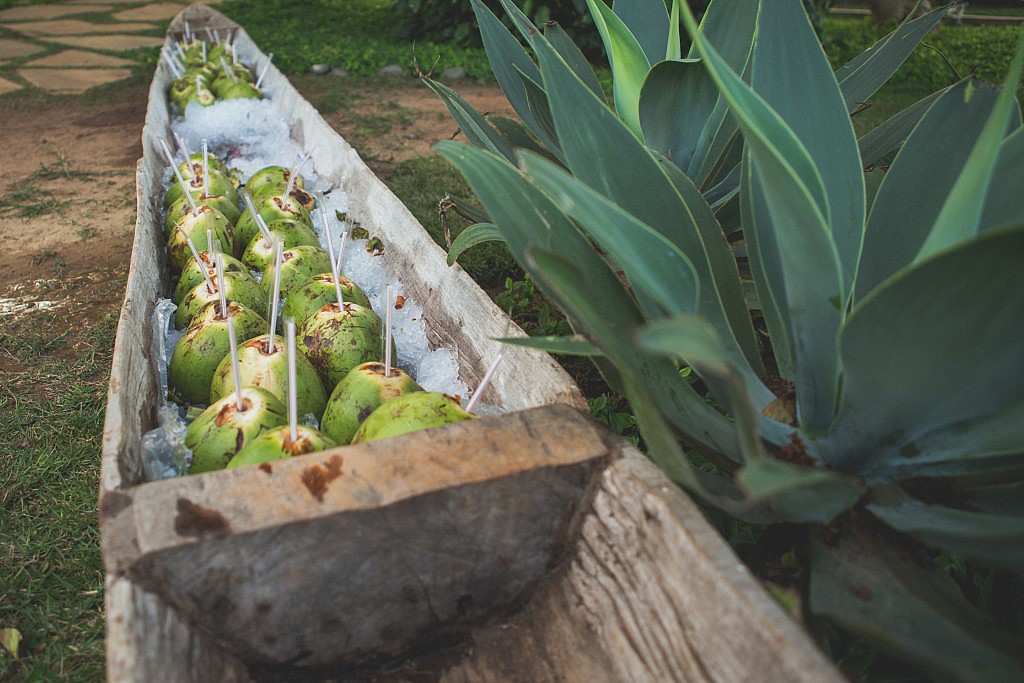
<point x="356" y="35"/>
<point x="52" y="402"/>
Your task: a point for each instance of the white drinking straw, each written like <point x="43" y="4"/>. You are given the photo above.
<point x="227" y="69"/>
<point x="199" y="261"/>
<point x="183" y="147"/>
<point x="234" y="364"/>
<point x="263" y="72"/>
<point x="268" y="240"/>
<point x="204" y="51"/>
<point x="181" y="181"/>
<point x="278" y="261"/>
<point x="293" y="417"/>
<point x="220" y="283"/>
<point x="387" y="333"/>
<point x="206" y="171"/>
<point x="341" y="254"/>
<point x="483" y="383"/>
<point x="294" y="174"/>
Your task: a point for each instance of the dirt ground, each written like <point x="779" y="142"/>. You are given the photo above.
<point x="67" y="187"/>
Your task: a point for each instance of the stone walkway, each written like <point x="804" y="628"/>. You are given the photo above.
<point x="71" y="46"/>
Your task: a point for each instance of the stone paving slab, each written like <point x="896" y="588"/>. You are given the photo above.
<point x="72" y="27"/>
<point x="7" y="86"/>
<point x="42" y="12"/>
<point x="114" y="42"/>
<point x="159" y="11"/>
<point x="79" y="59"/>
<point x="72" y="80"/>
<point x="10" y="48"/>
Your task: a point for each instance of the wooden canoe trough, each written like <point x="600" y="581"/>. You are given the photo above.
<point x="529" y="546"/>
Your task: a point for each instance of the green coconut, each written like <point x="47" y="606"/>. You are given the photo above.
<point x="277" y="444"/>
<point x="241" y="288"/>
<point x="220" y="184"/>
<point x="271" y="210"/>
<point x="258" y="254"/>
<point x="338" y="339"/>
<point x="227" y="89"/>
<point x="275" y="176"/>
<point x="222" y="429"/>
<point x="194" y="226"/>
<point x="364" y="389"/>
<point x="204" y="344"/>
<point x="269" y="192"/>
<point x="299" y="264"/>
<point x="409" y="413"/>
<point x="182" y="207"/>
<point x="269" y="370"/>
<point x="193" y="168"/>
<point x="317" y="292"/>
<point x="191" y="275"/>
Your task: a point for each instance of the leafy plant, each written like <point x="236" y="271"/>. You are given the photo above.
<point x="872" y="390"/>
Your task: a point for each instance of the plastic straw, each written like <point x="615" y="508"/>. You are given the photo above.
<point x="263" y="71"/>
<point x="239" y="403"/>
<point x="341" y="254"/>
<point x="204" y="51"/>
<point x="184" y="186"/>
<point x="268" y="239"/>
<point x="220" y="282"/>
<point x="294" y="174"/>
<point x="278" y="262"/>
<point x="209" y="241"/>
<point x="199" y="261"/>
<point x="293" y="416"/>
<point x="387" y="333"/>
<point x="227" y="68"/>
<point x="183" y="147"/>
<point x="483" y="383"/>
<point x="169" y="61"/>
<point x="234" y="53"/>
<point x="206" y="171"/>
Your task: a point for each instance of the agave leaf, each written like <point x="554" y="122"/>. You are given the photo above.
<point x="648" y="21"/>
<point x="796" y="201"/>
<point x="1003" y="205"/>
<point x="473" y="125"/>
<point x="673" y="50"/>
<point x="922" y="175"/>
<point x="574" y="345"/>
<point x="651" y="262"/>
<point x="475" y="234"/>
<point x="596" y="304"/>
<point x="965" y="447"/>
<point x="1000" y="499"/>
<point x="867" y="72"/>
<point x="823" y="126"/>
<point x="521" y="22"/>
<point x="572" y="56"/>
<point x="468" y="210"/>
<point x="765" y="262"/>
<point x="508" y="60"/>
<point x="676" y="103"/>
<point x="695" y="341"/>
<point x="540" y="109"/>
<point x="603" y="154"/>
<point x="867" y="587"/>
<point x="961" y="213"/>
<point x="798" y="494"/>
<point x="518" y="136"/>
<point x="992" y="538"/>
<point x="949" y="329"/>
<point x="628" y="62"/>
<point x="879" y="146"/>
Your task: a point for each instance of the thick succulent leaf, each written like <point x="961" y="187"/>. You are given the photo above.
<point x="651" y="263"/>
<point x="648" y="21"/>
<point x="694" y="341"/>
<point x="937" y="344"/>
<point x="518" y="136"/>
<point x="961" y="213"/>
<point x="1000" y="499"/>
<point x="537" y="101"/>
<point x="674" y="48"/>
<point x="520" y="21"/>
<point x="508" y="60"/>
<point x="676" y="103"/>
<point x="793" y="76"/>
<point x="1003" y="204"/>
<point x="583" y="286"/>
<point x="468" y="209"/>
<point x="795" y="198"/>
<point x="992" y="538"/>
<point x="798" y="494"/>
<point x="475" y="234"/>
<point x="871" y="589"/>
<point x="574" y="345"/>
<point x="878" y="147"/>
<point x="868" y="71"/>
<point x="602" y="153"/>
<point x="628" y="62"/>
<point x="473" y="125"/>
<point x="921" y="177"/>
<point x="965" y="447"/>
<point x="572" y="56"/>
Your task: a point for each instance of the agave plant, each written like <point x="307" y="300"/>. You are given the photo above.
<point x="889" y="365"/>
